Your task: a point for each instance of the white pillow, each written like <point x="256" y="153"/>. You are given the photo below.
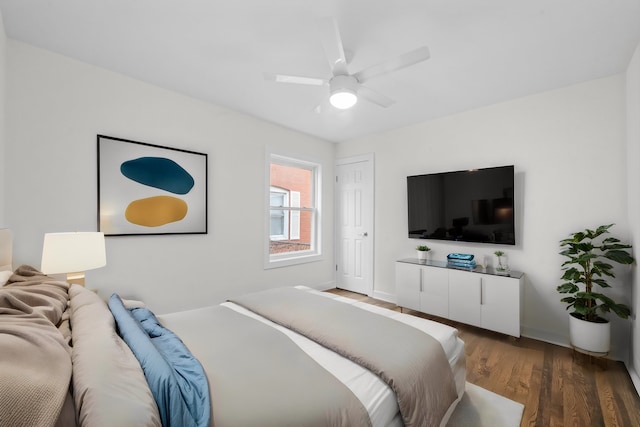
<point x="4" y="276"/>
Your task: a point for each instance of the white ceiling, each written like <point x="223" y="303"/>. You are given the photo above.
<point x="482" y="51"/>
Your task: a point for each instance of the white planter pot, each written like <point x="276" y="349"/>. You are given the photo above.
<point x="590" y="336"/>
<point x="422" y="255"/>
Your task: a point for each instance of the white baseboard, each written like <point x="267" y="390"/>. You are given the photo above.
<point x="635" y="379"/>
<point x="384" y="296"/>
<point x="563" y="341"/>
<point x="323" y="286"/>
<point x="545" y="336"/>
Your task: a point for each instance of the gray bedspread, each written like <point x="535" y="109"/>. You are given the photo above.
<point x="259" y="377"/>
<point x="411" y="362"/>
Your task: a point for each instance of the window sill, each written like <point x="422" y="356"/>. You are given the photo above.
<point x="285" y="261"/>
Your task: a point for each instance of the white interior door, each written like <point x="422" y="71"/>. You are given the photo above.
<point x="354" y="224"/>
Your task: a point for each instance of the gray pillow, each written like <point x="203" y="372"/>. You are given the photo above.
<point x="109" y="386"/>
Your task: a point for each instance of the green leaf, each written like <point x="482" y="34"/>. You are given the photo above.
<point x="584" y="246"/>
<point x="605" y="299"/>
<point x="601" y="282"/>
<point x="619" y="256"/>
<point x="585" y="296"/>
<point x="602" y="264"/>
<point x="569" y="252"/>
<point x="569" y="243"/>
<point x="566" y="288"/>
<point x="602" y="229"/>
<point x="586" y="257"/>
<point x="579" y="236"/>
<point x="616" y="246"/>
<point x="610" y="240"/>
<point x="571" y="274"/>
<point x="603" y="272"/>
<point x="621" y="310"/>
<point x="580" y="310"/>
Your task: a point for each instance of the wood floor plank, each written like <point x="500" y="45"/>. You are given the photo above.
<point x="614" y="400"/>
<point x="556" y="386"/>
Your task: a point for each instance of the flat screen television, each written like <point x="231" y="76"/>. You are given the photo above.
<point x="467" y="206"/>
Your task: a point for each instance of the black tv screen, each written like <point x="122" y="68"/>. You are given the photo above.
<point x="468" y="206"/>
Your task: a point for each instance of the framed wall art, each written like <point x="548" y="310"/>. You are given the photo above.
<point x="150" y="189"/>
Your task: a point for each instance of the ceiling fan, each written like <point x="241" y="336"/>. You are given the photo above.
<point x="346" y="88"/>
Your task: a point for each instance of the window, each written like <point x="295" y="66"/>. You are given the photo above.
<point x="279" y="218"/>
<point x="293" y="211"/>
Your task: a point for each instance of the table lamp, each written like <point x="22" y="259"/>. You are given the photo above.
<point x="6" y="249"/>
<point x="73" y="254"/>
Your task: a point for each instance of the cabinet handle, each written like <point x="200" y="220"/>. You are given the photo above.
<point x="421" y="271"/>
<point x="481" y="293"/>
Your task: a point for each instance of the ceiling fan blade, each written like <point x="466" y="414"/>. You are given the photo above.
<point x="332" y="43"/>
<point x="301" y="80"/>
<point x="375" y="97"/>
<point x="397" y="63"/>
<point x="322" y="108"/>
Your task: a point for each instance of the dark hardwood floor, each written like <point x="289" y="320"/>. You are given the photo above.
<point x="556" y="386"/>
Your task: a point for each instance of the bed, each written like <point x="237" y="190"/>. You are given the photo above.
<point x="68" y="361"/>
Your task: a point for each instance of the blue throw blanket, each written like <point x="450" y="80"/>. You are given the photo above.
<point x="176" y="378"/>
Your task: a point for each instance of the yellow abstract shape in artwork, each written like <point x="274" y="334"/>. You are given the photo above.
<point x="156" y="211"/>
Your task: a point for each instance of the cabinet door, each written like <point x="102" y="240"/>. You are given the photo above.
<point x="434" y="291"/>
<point x="501" y="304"/>
<point x="408" y="285"/>
<point x="464" y="297"/>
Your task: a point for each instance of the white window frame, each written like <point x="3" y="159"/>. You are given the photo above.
<point x="285" y="225"/>
<point x="298" y="257"/>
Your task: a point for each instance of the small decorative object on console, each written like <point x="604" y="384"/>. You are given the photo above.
<point x="422" y="252"/>
<point x="461" y="261"/>
<point x="502" y="268"/>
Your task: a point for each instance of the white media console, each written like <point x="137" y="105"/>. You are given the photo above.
<point x="479" y="298"/>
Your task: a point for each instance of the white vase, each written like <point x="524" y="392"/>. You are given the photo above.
<point x="422" y="255"/>
<point x="589" y="336"/>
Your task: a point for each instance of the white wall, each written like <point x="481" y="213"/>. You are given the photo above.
<point x="55" y="108"/>
<point x="566" y="145"/>
<point x="568" y="148"/>
<point x="3" y="51"/>
<point x="633" y="194"/>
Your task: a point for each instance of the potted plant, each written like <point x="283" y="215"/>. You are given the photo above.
<point x="588" y="264"/>
<point x="422" y="252"/>
<point x="501" y="268"/>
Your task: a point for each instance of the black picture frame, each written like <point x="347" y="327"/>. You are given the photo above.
<point x="149" y="189"/>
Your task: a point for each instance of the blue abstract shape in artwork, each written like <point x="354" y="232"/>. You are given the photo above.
<point x="158" y="172"/>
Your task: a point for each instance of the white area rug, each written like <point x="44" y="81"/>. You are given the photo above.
<point x="481" y="408"/>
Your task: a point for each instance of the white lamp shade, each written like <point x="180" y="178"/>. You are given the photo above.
<point x="72" y="252"/>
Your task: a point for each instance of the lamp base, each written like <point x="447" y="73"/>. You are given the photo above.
<point x="77" y="278"/>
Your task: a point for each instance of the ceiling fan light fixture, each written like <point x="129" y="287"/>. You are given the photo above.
<point x="343" y="99"/>
<point x="344" y="92"/>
